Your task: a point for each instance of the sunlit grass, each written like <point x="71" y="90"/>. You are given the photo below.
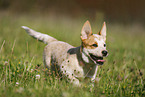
<point x="21" y="65"/>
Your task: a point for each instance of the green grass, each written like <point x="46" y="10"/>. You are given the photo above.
<point x="21" y="58"/>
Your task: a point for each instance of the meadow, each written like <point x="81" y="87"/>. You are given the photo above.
<point x="21" y="65"/>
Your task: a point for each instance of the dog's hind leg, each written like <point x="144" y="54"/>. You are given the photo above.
<point x="47" y="59"/>
<point x="47" y="62"/>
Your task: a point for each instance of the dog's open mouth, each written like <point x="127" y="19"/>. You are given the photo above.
<point x="97" y="60"/>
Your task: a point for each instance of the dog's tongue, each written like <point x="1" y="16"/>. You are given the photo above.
<point x="100" y="60"/>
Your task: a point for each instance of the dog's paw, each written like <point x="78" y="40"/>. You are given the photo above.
<point x="76" y="83"/>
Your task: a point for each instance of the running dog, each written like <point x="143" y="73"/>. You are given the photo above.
<point x="74" y="62"/>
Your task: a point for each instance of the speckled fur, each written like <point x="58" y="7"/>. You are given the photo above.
<point x="73" y="62"/>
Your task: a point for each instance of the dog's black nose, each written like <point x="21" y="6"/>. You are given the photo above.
<point x="104" y="53"/>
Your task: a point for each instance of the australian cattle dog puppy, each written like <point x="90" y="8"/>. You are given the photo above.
<point x="74" y="62"/>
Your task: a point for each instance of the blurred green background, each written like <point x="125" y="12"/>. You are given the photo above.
<point x="64" y="19"/>
<point x="124" y="69"/>
<point x="112" y="10"/>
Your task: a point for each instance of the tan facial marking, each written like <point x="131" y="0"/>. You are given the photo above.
<point x="87" y="43"/>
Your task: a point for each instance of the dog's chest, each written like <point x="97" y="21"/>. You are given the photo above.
<point x="77" y="68"/>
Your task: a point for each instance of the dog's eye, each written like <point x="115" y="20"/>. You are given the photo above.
<point x="95" y="45"/>
<point x="104" y="45"/>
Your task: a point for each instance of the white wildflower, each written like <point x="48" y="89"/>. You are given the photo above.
<point x="38" y="76"/>
<point x="6" y="63"/>
<point x="17" y="83"/>
<point x="32" y="70"/>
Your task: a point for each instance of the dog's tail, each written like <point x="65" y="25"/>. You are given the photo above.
<point x="37" y="35"/>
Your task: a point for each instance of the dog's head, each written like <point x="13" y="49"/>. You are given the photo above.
<point x="93" y="45"/>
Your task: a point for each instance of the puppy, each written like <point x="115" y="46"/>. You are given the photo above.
<point x="74" y="62"/>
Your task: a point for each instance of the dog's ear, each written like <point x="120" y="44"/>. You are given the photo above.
<point x="103" y="31"/>
<point x="86" y="30"/>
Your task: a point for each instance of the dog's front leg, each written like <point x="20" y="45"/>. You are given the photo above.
<point x="69" y="74"/>
<point x="72" y="79"/>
